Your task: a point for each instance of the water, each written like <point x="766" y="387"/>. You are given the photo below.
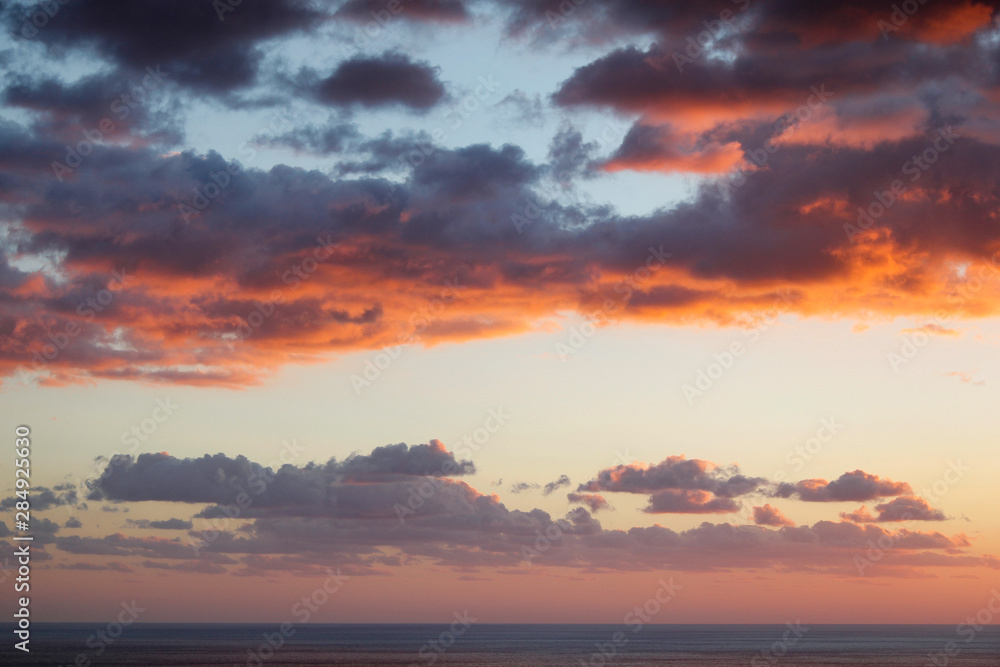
<point x="507" y="645"/>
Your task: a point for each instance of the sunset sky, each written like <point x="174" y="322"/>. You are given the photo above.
<point x="504" y="306"/>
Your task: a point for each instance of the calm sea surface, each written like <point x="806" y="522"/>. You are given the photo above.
<point x="508" y="645"/>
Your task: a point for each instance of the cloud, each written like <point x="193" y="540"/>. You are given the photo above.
<point x="44" y="498"/>
<point x="523" y="109"/>
<point x="688" y="501"/>
<point x="195" y="45"/>
<point x="168" y="524"/>
<point x="489" y="535"/>
<point x="403" y="212"/>
<point x="222" y="480"/>
<point x="864" y="20"/>
<point x="589" y="23"/>
<point x="473" y="173"/>
<point x="759" y="41"/>
<point x="906" y="508"/>
<point x="200" y="567"/>
<point x="966" y="378"/>
<point x="934" y="329"/>
<point x="387" y="80"/>
<point x="632" y="80"/>
<point x="330" y="312"/>
<point x="332" y="137"/>
<point x="856" y="486"/>
<point x="401" y="461"/>
<point x="594" y="501"/>
<point x="42" y="531"/>
<point x="73" y="522"/>
<point x="335" y="514"/>
<point x="149" y="547"/>
<point x="521" y="487"/>
<point x="695" y="486"/>
<point x="266" y="566"/>
<point x="436" y="11"/>
<point x="768" y="515"/>
<point x="113" y="566"/>
<point x="660" y="149"/>
<point x="556" y="485"/>
<point x="860" y="515"/>
<point x="674" y="472"/>
<point x="103" y="103"/>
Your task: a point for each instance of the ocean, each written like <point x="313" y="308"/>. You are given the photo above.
<point x="482" y="645"/>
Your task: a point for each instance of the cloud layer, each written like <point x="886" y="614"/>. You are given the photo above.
<point x="841" y="168"/>
<point x="393" y="506"/>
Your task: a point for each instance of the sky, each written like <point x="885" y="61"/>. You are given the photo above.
<point x="519" y="308"/>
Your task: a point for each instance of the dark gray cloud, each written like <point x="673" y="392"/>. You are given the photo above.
<point x="385" y="11"/>
<point x="486" y="534"/>
<point x="197" y="566"/>
<point x="695" y="486"/>
<point x="168" y="524"/>
<point x="111" y="106"/>
<point x="521" y="487"/>
<point x="44" y="498"/>
<point x="600" y="22"/>
<point x="842" y="84"/>
<point x="678" y="473"/>
<point x="477" y="172"/>
<point x="569" y="155"/>
<point x="387" y="509"/>
<point x="905" y="508"/>
<point x="768" y="515"/>
<point x="856" y="486"/>
<point x="387" y="152"/>
<point x="113" y="566"/>
<point x="147" y="547"/>
<point x="523" y="109"/>
<point x="43" y="531"/>
<point x="556" y="485"/>
<point x="594" y="502"/>
<point x="392" y="79"/>
<point x="400" y="461"/>
<point x="333" y="137"/>
<point x="908" y="509"/>
<point x="198" y="45"/>
<point x="688" y="501"/>
<point x="222" y="480"/>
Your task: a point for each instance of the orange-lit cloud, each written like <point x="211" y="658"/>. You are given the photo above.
<point x="835" y="172"/>
<point x="768" y="515"/>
